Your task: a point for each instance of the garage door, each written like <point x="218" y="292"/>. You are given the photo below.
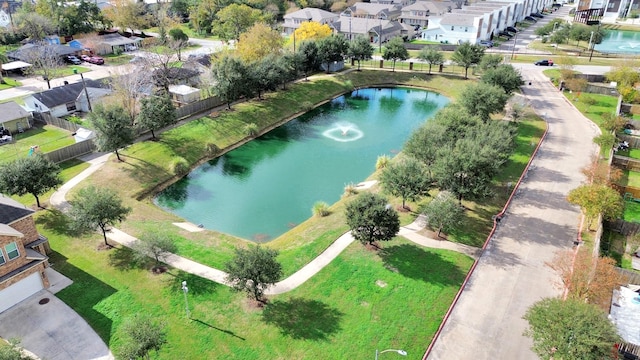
<point x="20" y="291"/>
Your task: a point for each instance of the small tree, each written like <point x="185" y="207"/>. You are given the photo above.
<point x="311" y="31"/>
<point x="156" y="113"/>
<point x="490" y="61"/>
<point x="483" y="99"/>
<point x="332" y="48"/>
<point x="360" y="49"/>
<point x="113" y="127"/>
<point x="395" y="50"/>
<point x="444" y="213"/>
<point x="33" y="175"/>
<point x="309" y="57"/>
<point x="156" y="245"/>
<point x="253" y="270"/>
<point x="259" y="42"/>
<point x="503" y="76"/>
<point x="595" y="199"/>
<point x="179" y="41"/>
<point x="371" y="219"/>
<point x="432" y="56"/>
<point x="94" y="208"/>
<point x="230" y="76"/>
<point x="570" y="329"/>
<point x="467" y="55"/>
<point x="141" y="335"/>
<point x="407" y="178"/>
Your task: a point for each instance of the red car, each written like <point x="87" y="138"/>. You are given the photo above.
<point x="85" y="58"/>
<point x="96" y="60"/>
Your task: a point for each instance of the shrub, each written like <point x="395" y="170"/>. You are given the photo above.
<point x="589" y="100"/>
<point x="251" y="129"/>
<point x="211" y="149"/>
<point x="350" y="189"/>
<point x="307" y="105"/>
<point x="382" y="162"/>
<point x="74" y="119"/>
<point x="321" y="209"/>
<point x="180" y="166"/>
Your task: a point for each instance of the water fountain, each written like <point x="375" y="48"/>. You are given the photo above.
<point x="343" y="132"/>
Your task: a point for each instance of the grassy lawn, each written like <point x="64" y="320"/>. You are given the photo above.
<point x="356" y="304"/>
<point x="189" y="31"/>
<point x="613" y="244"/>
<point x="631" y="152"/>
<point x="47" y="137"/>
<point x="593" y="106"/>
<point x="630" y="178"/>
<point x="9" y="83"/>
<point x="120" y="59"/>
<point x="631" y="211"/>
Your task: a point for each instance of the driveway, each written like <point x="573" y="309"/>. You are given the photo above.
<point x="52" y="331"/>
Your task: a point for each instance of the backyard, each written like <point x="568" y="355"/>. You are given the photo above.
<point x="47" y="138"/>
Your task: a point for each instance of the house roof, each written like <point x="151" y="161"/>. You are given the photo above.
<point x="15" y="65"/>
<point x="182" y="89"/>
<point x="67" y="93"/>
<point x="10" y="111"/>
<point x="458" y="19"/>
<point x="116" y="40"/>
<point x="22" y="53"/>
<point x="11" y="210"/>
<point x="174" y="73"/>
<point x="625" y="314"/>
<point x="373" y="9"/>
<point x="7" y="230"/>
<point x="312" y="14"/>
<point x="361" y="25"/>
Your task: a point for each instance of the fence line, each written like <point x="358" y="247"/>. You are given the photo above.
<point x="633" y="277"/>
<point x="57" y="122"/>
<point x="71" y="151"/>
<point x="623" y="227"/>
<point x="626" y="162"/>
<point x="198" y="107"/>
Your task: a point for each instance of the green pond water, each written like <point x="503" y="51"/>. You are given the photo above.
<point x="620" y="42"/>
<point x="269" y="185"/>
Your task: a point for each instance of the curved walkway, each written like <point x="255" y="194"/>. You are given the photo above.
<point x="410" y="232"/>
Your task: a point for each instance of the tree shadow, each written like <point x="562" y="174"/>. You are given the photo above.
<point x="217" y="328"/>
<point x="53" y="220"/>
<point x="123" y="258"/>
<point x="300" y="318"/>
<point x="196" y="284"/>
<point x="417" y="263"/>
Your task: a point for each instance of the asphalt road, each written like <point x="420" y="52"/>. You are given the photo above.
<point x="511" y="274"/>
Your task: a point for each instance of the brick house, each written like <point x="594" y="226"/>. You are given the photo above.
<point x="23" y="252"/>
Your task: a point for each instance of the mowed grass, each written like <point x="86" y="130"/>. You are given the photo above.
<point x="631" y="211"/>
<point x="363" y="300"/>
<point x="47" y="138"/>
<point x="631" y="152"/>
<point x="630" y="178"/>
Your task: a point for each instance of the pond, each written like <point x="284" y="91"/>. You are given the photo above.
<point x="269" y="185"/>
<point x="620" y="42"/>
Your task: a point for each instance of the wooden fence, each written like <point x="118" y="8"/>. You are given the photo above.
<point x="624" y="190"/>
<point x="626" y="162"/>
<point x="623" y="227"/>
<point x="57" y="122"/>
<point x="71" y="151"/>
<point x="633" y="277"/>
<point x="198" y="107"/>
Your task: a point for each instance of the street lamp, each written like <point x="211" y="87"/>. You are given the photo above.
<point x="513" y="50"/>
<point x="185" y="290"/>
<point x="380" y="36"/>
<point x="84" y="86"/>
<point x="400" y="352"/>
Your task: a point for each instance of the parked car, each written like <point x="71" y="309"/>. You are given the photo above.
<point x="130" y="47"/>
<point x="544" y="62"/>
<point x="511" y="29"/>
<point x="506" y="34"/>
<point x="530" y="19"/>
<point x="96" y="60"/>
<point x="85" y="58"/>
<point x="486" y="43"/>
<point x="72" y="59"/>
<point x="537" y="15"/>
<point x="556" y="5"/>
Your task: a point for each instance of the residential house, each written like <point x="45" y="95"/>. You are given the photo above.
<point x="454" y="28"/>
<point x="109" y="43"/>
<point x="625" y="315"/>
<point x="14" y="117"/>
<point x="68" y="99"/>
<point x="293" y="20"/>
<point x="202" y="64"/>
<point x="8" y="8"/>
<point x="175" y="76"/>
<point x="373" y="11"/>
<point x="417" y="14"/>
<point x="23" y="254"/>
<point x="28" y="52"/>
<point x="393" y="2"/>
<point x="372" y="29"/>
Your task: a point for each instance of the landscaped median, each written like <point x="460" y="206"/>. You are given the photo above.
<point x="392" y="298"/>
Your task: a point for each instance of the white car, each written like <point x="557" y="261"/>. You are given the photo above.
<point x="130" y="47"/>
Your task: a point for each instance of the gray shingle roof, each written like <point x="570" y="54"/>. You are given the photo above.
<point x="67" y="93"/>
<point x="11" y="210"/>
<point x="310" y="13"/>
<point x="11" y="111"/>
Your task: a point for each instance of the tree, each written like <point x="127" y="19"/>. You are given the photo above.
<point x="311" y="30"/>
<point x="407" y="178"/>
<point x="126" y="14"/>
<point x="395" y="50"/>
<point x="156" y="113"/>
<point x="309" y="57"/>
<point x="236" y="19"/>
<point x="624" y="73"/>
<point x="490" y="61"/>
<point x="605" y="140"/>
<point x="263" y="76"/>
<point x="156" y="245"/>
<point x="467" y="55"/>
<point x="258" y="42"/>
<point x="113" y="127"/>
<point x="85" y="17"/>
<point x="179" y="40"/>
<point x="332" y="48"/>
<point x="229" y="75"/>
<point x="203" y="14"/>
<point x="360" y="49"/>
<point x="431" y="55"/>
<point x="596" y="199"/>
<point x="44" y="59"/>
<point x="253" y="270"/>
<point x="570" y="330"/>
<point x="443" y="212"/>
<point x="483" y="99"/>
<point x="599" y="172"/>
<point x="503" y="76"/>
<point x="127" y="85"/>
<point x="371" y="219"/>
<point x="94" y="207"/>
<point x="33" y="175"/>
<point x="34" y="26"/>
<point x="141" y="334"/>
<point x="289" y="66"/>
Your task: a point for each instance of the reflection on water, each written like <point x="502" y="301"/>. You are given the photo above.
<point x="270" y="184"/>
<point x="620" y="42"/>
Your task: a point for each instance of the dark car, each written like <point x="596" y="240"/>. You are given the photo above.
<point x="556" y="5"/>
<point x="511" y="29"/>
<point x="72" y="59"/>
<point x="486" y="43"/>
<point x="506" y="34"/>
<point x="544" y="62"/>
<point x="537" y="15"/>
<point x="530" y="18"/>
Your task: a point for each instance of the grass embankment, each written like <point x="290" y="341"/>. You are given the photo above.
<point x="47" y="138"/>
